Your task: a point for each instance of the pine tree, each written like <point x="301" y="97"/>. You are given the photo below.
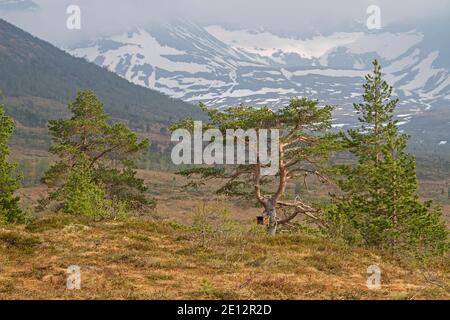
<point x="304" y="150"/>
<point x="10" y="211"/>
<point x="83" y="196"/>
<point x="381" y="206"/>
<point x="97" y="155"/>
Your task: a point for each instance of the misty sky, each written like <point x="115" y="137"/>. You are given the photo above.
<point x="295" y="17"/>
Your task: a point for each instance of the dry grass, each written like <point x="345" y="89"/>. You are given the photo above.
<point x="145" y="259"/>
<point x="160" y="257"/>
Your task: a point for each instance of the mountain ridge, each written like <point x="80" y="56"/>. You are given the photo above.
<point x="39" y="79"/>
<point x="224" y="67"/>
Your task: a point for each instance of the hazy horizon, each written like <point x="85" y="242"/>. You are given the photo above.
<point x="103" y="18"/>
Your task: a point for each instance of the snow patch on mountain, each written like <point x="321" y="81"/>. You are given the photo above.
<point x="140" y="48"/>
<point x="267" y="44"/>
<point x="223" y="67"/>
<point x="387" y="45"/>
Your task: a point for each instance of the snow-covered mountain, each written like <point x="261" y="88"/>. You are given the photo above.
<point x="224" y="67"/>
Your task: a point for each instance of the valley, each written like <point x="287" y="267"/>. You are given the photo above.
<point x="80" y="185"/>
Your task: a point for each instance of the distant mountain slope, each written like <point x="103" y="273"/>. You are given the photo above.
<point x="38" y="79"/>
<point x="223" y="67"/>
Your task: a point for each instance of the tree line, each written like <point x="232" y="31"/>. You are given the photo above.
<point x="377" y="203"/>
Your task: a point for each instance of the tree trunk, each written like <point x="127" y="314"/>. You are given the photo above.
<point x="271" y="212"/>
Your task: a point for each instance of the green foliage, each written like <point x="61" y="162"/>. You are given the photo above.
<point x="82" y="196"/>
<point x="95" y="161"/>
<point x="303" y="129"/>
<point x="380" y="206"/>
<point x="10" y="211"/>
<point x="304" y="149"/>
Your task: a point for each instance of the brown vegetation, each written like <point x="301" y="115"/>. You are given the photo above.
<point x="142" y="259"/>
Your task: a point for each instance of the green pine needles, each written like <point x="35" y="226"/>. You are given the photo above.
<point x="10" y="211"/>
<point x="380" y="206"/>
<point x="95" y="175"/>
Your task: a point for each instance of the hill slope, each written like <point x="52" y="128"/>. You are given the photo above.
<point x="144" y="259"/>
<point x="38" y="80"/>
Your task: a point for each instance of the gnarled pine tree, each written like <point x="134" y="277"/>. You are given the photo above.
<point x="96" y="154"/>
<point x="304" y="147"/>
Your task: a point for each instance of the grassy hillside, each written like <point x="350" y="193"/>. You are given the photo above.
<point x="195" y="245"/>
<point x="148" y="259"/>
<point x="38" y="80"/>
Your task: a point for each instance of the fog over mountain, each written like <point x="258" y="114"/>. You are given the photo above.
<point x="260" y="52"/>
<point x="284" y="17"/>
<point x="14" y="6"/>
